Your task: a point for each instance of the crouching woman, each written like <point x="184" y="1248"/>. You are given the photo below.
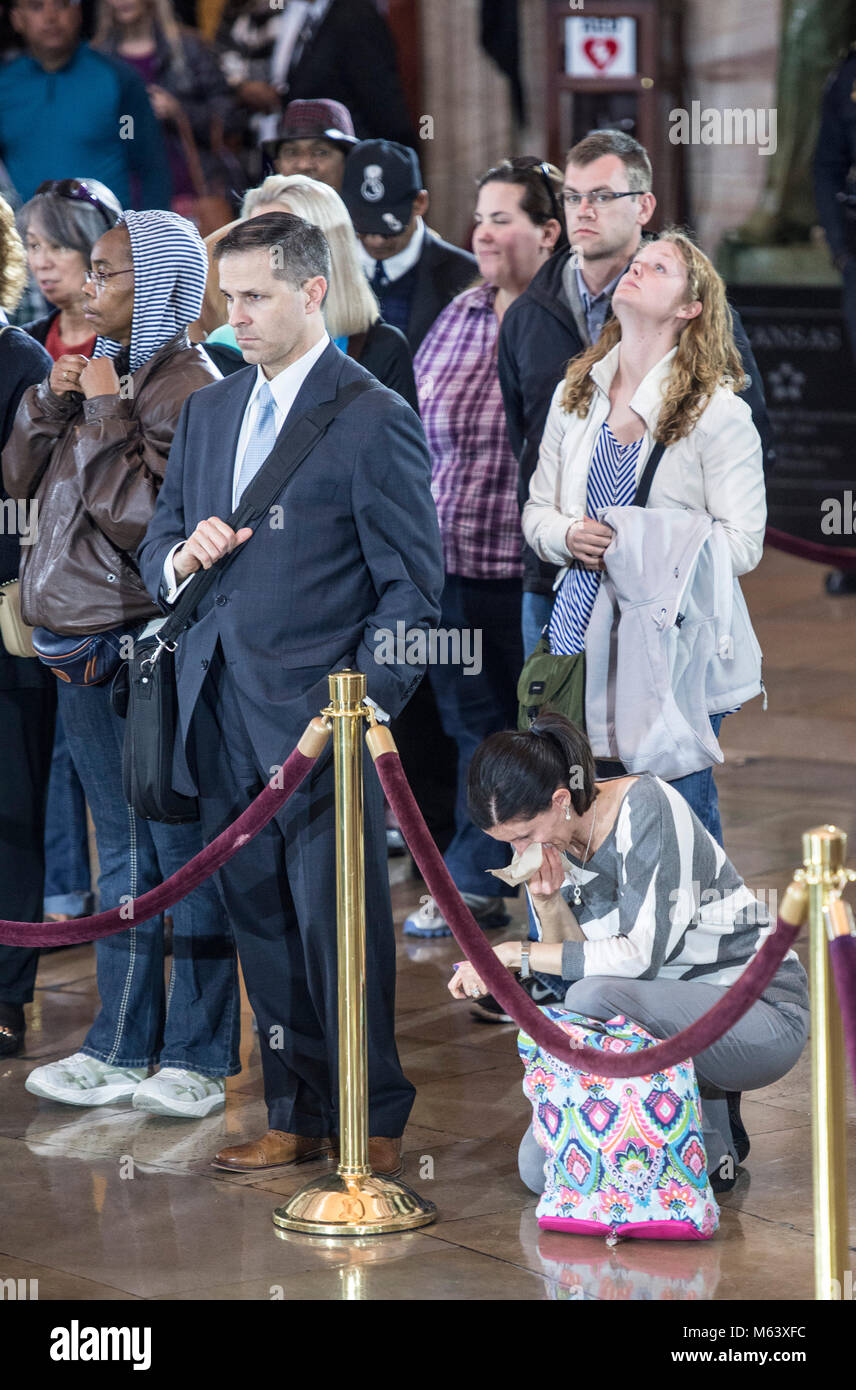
<point x="640" y="912"/>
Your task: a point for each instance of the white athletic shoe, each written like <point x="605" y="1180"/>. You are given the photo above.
<point x="175" y="1091"/>
<point x="83" y="1080"/>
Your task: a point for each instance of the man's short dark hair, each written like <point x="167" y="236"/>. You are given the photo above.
<point x="633" y="156"/>
<point x="301" y="247"/>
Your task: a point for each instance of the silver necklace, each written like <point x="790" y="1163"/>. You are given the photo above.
<point x="577" y="895"/>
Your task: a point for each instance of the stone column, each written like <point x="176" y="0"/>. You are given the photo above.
<point x="467" y="120"/>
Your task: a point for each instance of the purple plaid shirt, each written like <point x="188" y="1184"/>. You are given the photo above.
<point x="474" y="480"/>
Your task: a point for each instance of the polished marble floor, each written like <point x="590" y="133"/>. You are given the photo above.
<point x="111" y="1204"/>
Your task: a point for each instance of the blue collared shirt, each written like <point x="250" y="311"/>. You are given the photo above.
<point x="596" y="307"/>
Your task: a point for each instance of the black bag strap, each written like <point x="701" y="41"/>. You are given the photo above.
<point x="644" y="488"/>
<point x="281" y="463"/>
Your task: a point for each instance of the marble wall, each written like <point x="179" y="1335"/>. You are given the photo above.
<point x="466" y="97"/>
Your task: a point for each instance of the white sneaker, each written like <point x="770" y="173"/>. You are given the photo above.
<point x="83" y="1080"/>
<point x="175" y="1091"/>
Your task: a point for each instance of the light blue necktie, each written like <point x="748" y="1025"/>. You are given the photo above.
<point x="261" y="442"/>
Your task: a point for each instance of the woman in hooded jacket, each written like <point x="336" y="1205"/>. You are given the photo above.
<point x="90" y="446"/>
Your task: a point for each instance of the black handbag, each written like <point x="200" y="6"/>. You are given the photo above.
<point x="557" y="679"/>
<point x="144" y="691"/>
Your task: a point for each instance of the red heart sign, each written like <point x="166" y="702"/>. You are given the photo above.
<point x="600" y="52"/>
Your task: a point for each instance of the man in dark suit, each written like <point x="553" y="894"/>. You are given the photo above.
<point x="413" y="272"/>
<point x="352" y="548"/>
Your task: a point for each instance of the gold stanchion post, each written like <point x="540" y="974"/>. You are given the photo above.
<point x="825" y="875"/>
<point x="353" y="1201"/>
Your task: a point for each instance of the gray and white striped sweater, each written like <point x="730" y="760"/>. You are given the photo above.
<point x="660" y="898"/>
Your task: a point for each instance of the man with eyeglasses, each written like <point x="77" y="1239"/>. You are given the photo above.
<point x="608" y="204"/>
<point x="65" y="107"/>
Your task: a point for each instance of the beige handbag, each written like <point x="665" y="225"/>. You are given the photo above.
<point x="17" y="636"/>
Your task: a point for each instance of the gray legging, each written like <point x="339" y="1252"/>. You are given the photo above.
<point x="757" y="1051"/>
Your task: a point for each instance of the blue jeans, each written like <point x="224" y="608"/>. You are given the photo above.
<point x="472" y="706"/>
<point x="534" y="615"/>
<point x="68" y="880"/>
<point x="196" y="1022"/>
<point x="699" y="790"/>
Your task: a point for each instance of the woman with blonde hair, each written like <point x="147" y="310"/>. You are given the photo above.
<point x="351" y="311"/>
<point x="664" y="371"/>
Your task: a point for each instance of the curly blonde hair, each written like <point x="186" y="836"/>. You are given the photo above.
<point x="13" y="261"/>
<point x="706" y="357"/>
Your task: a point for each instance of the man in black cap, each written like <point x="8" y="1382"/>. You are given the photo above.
<point x="413" y="272"/>
<point x="414" y="275"/>
<point x="314" y="139"/>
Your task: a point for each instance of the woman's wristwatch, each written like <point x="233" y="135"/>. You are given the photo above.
<point x="525" y="972"/>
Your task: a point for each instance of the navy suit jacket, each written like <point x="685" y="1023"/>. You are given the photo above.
<point x="351" y="547"/>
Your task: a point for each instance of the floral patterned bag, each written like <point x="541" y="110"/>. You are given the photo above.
<point x="623" y="1156"/>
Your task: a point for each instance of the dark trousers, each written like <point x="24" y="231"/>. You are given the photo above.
<point x="27" y="724"/>
<point x="472" y="706"/>
<point x="430" y="759"/>
<point x="280" y="894"/>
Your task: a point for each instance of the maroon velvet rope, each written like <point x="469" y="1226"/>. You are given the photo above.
<point x="834" y="555"/>
<point x="842" y="953"/>
<point x="688" y="1043"/>
<point x="182" y="882"/>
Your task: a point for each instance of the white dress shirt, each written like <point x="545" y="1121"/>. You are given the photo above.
<point x="398" y="265"/>
<point x="284" y="389"/>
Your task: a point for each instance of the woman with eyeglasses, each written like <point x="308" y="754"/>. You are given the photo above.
<point x="518" y="223"/>
<point x="90" y="445"/>
<point x="60" y="225"/>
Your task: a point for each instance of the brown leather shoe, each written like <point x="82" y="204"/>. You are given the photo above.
<point x="273" y="1150"/>
<point x="385" y="1157"/>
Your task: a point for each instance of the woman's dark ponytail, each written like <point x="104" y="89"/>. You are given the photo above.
<point x="513" y="775"/>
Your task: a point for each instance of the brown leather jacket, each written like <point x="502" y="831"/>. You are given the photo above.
<point x="95" y="467"/>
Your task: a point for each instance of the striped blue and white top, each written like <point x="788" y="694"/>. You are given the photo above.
<point x="611" y="483"/>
